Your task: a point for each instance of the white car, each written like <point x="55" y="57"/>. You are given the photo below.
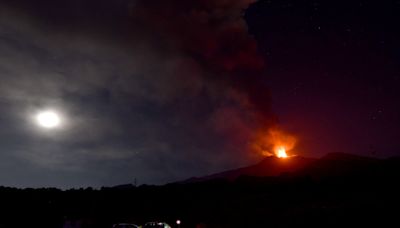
<point x="156" y="225"/>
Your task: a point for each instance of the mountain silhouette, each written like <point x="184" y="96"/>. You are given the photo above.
<point x="333" y="164"/>
<point x="339" y="164"/>
<point x="269" y="166"/>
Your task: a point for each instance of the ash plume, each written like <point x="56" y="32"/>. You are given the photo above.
<point x="159" y="89"/>
<point x="214" y="35"/>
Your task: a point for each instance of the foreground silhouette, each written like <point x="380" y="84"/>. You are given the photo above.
<point x="335" y="191"/>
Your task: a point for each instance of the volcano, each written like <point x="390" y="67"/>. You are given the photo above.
<point x="333" y="164"/>
<point x="269" y="166"/>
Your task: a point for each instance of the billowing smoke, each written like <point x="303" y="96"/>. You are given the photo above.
<point x="159" y="89"/>
<point x="214" y="35"/>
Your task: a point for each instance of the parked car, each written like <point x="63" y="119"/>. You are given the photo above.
<point x="125" y="225"/>
<point x="156" y="225"/>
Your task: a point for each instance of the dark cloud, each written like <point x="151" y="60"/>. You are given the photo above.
<point x="157" y="90"/>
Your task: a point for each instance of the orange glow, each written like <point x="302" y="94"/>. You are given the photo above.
<point x="275" y="142"/>
<point x="280" y="152"/>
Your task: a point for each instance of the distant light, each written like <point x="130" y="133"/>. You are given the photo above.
<point x="48" y="119"/>
<point x="178" y="222"/>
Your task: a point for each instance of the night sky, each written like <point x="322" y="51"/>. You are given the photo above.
<point x="161" y="91"/>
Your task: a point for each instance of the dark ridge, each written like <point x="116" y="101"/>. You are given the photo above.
<point x="333" y="164"/>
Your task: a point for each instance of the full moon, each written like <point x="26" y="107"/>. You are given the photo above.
<point x="48" y="119"/>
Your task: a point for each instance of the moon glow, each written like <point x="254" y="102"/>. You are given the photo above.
<point x="48" y="119"/>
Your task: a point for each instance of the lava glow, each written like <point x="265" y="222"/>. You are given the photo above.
<point x="280" y="152"/>
<point x="276" y="143"/>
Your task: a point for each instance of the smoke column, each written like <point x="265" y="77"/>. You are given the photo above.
<point x="214" y="35"/>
